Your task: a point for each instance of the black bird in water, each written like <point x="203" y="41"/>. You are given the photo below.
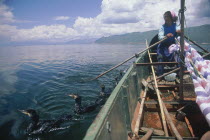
<point x="78" y="108"/>
<point x="104" y="94"/>
<point x="38" y="126"/>
<point x="119" y="77"/>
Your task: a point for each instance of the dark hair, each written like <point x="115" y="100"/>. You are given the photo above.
<point x="172" y="16"/>
<point x="168" y="13"/>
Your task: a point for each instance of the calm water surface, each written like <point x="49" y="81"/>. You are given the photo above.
<point x="39" y="77"/>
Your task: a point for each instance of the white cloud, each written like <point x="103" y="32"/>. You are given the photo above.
<point x="6" y="15"/>
<point x="52" y="33"/>
<point x="61" y="18"/>
<point x="117" y="17"/>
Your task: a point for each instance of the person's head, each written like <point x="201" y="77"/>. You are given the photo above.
<point x="168" y="18"/>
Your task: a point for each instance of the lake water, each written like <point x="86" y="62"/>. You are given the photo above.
<point x="39" y="77"/>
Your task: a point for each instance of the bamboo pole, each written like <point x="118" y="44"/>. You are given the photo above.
<point x="130" y="58"/>
<point x="140" y="114"/>
<point x="196" y="70"/>
<point x="159" y="98"/>
<point x="163" y="108"/>
<point x="148" y="134"/>
<point x="206" y="55"/>
<point x="198" y="47"/>
<point x="196" y="44"/>
<point x="178" y="136"/>
<point x="193" y="65"/>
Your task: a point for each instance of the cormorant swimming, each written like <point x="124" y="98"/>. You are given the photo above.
<point x="38" y="126"/>
<point x="104" y="94"/>
<point x="119" y="77"/>
<point x="78" y="108"/>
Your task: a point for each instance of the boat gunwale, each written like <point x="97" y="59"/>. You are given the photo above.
<point x="100" y="120"/>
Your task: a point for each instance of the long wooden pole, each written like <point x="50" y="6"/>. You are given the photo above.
<point x="148" y="134"/>
<point x="196" y="44"/>
<point x="159" y="98"/>
<point x="130" y="58"/>
<point x="182" y="50"/>
<point x="163" y="108"/>
<point x="178" y="136"/>
<point x="140" y="114"/>
<point x="206" y="55"/>
<point x="201" y="76"/>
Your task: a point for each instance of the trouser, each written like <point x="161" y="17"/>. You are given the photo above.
<point x="163" y="55"/>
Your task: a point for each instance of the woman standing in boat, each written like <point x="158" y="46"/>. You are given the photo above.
<point x="169" y="29"/>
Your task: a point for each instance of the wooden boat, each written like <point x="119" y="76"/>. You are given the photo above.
<point x="131" y="103"/>
<point x="143" y="107"/>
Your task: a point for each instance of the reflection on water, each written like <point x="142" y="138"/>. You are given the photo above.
<point x="39" y="77"/>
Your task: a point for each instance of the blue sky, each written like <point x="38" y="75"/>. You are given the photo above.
<point x="42" y="12"/>
<point x="56" y="21"/>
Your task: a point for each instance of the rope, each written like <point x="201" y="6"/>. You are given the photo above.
<point x="181" y="60"/>
<point x="187" y="30"/>
<point x="185" y="21"/>
<point x="179" y="15"/>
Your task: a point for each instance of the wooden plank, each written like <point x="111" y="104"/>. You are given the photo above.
<point x="153" y="53"/>
<point x="189" y="126"/>
<point x="190" y="99"/>
<point x="171" y="102"/>
<point x="186" y="72"/>
<point x="167" y="86"/>
<point x="154" y="63"/>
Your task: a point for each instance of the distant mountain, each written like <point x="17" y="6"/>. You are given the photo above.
<point x="200" y="34"/>
<point x="29" y="43"/>
<point x="82" y="41"/>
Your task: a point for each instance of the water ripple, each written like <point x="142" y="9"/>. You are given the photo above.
<point x="40" y="77"/>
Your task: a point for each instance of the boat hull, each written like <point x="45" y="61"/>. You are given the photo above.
<point x="115" y="118"/>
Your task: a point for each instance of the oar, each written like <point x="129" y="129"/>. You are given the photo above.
<point x="130" y="58"/>
<point x="196" y="44"/>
